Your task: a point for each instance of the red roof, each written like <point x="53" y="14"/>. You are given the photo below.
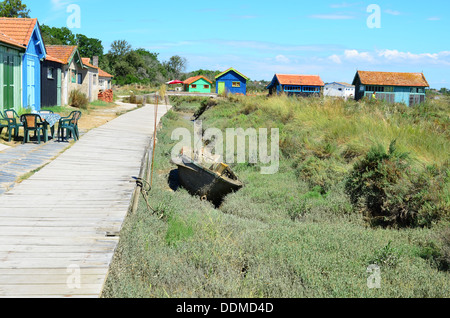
<point x="18" y="29"/>
<point x="310" y="80"/>
<point x="53" y="59"/>
<point x="393" y="79"/>
<point x="62" y="53"/>
<point x="87" y="62"/>
<point x="6" y="39"/>
<point x="102" y="73"/>
<point x="195" y="79"/>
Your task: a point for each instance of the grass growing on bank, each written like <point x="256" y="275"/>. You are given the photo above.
<point x="295" y="233"/>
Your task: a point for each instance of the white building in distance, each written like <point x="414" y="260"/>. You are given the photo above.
<point x="339" y="89"/>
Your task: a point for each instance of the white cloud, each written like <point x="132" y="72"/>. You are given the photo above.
<point x="387" y="57"/>
<point x="59" y="4"/>
<point x="282" y="59"/>
<point x="392" y="12"/>
<point x="336" y="59"/>
<point x="358" y="56"/>
<point x="395" y="55"/>
<point x="434" y="19"/>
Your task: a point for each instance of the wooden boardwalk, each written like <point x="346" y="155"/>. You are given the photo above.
<point x="55" y="227"/>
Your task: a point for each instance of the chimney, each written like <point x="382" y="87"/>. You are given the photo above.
<point x="95" y="61"/>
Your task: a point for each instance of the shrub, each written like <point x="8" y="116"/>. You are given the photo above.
<point x="78" y="99"/>
<point x="437" y="253"/>
<point x="386" y="188"/>
<point x="206" y="104"/>
<point x="387" y="256"/>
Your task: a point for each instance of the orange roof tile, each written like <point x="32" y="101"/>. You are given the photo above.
<point x="195" y="79"/>
<point x="312" y="80"/>
<point x="53" y="59"/>
<point x="61" y="52"/>
<point x="393" y="79"/>
<point x="87" y="62"/>
<point x="18" y="29"/>
<point x="102" y="73"/>
<point x="6" y="39"/>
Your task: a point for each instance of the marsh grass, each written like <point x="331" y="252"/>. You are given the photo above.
<point x="288" y="235"/>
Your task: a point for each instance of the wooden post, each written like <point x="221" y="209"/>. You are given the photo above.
<point x="154" y="140"/>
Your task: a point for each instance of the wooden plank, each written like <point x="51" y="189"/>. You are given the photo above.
<point x="50" y="290"/>
<point x="61" y="216"/>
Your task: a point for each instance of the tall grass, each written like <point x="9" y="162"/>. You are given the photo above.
<point x="291" y="234"/>
<point x="78" y="99"/>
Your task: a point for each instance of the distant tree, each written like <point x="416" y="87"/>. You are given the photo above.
<point x="444" y="91"/>
<point x="89" y="47"/>
<point x="14" y="9"/>
<point x="58" y="36"/>
<point x="207" y="73"/>
<point x="120" y="48"/>
<point x="175" y="66"/>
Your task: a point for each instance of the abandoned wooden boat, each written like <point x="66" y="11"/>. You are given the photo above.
<point x="212" y="184"/>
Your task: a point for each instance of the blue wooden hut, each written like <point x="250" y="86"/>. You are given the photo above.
<point x="392" y="87"/>
<point x="299" y="85"/>
<point x="231" y="81"/>
<point x="27" y="32"/>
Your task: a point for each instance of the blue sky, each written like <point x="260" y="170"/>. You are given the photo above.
<point x="261" y="38"/>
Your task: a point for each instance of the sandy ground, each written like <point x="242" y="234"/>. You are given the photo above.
<point x="101" y="116"/>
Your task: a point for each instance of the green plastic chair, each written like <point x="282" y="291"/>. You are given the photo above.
<point x="70" y="125"/>
<point x="3" y="123"/>
<point x="12" y="119"/>
<point x="33" y="122"/>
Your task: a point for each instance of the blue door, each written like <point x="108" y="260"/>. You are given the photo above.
<point x="402" y="95"/>
<point x="31" y="85"/>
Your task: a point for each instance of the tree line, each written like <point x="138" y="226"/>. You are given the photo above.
<point x="127" y="64"/>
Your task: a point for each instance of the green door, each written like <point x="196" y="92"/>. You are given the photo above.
<point x="58" y="88"/>
<point x="221" y="89"/>
<point x="8" y="82"/>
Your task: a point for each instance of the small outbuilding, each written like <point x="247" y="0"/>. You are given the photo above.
<point x="11" y="53"/>
<point x="339" y="89"/>
<point x="72" y="69"/>
<point x="197" y="84"/>
<point x="104" y="80"/>
<point x="392" y="87"/>
<point x="299" y="85"/>
<point x="27" y="33"/>
<point x="51" y="81"/>
<point x="231" y="81"/>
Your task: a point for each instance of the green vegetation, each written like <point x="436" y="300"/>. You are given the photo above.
<point x="88" y="47"/>
<point x="308" y="230"/>
<point x="14" y="9"/>
<point x="78" y="99"/>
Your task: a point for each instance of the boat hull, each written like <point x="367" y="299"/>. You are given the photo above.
<point x="205" y="183"/>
